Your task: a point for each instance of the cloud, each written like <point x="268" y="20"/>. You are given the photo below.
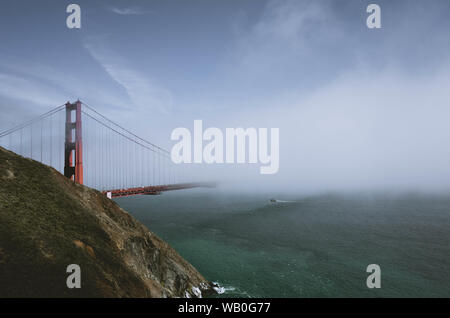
<point x="365" y="130"/>
<point x="25" y="89"/>
<point x="291" y="21"/>
<point x="22" y="98"/>
<point x="374" y="119"/>
<point x="47" y="86"/>
<point x="288" y="36"/>
<point x="145" y="93"/>
<point x="379" y="129"/>
<point x="129" y="11"/>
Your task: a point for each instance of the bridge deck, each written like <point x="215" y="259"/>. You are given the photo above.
<point x="153" y="190"/>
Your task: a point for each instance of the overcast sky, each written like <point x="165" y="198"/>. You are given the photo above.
<point x="356" y="107"/>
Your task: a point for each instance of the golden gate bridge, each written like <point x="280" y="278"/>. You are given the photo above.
<point x="90" y="149"/>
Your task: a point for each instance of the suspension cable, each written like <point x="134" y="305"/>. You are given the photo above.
<point x="134" y="135"/>
<point x="32" y="121"/>
<point x="123" y="135"/>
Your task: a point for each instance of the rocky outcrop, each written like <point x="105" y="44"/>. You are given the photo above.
<point x="48" y="222"/>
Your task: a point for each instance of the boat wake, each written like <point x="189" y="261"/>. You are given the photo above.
<point x="281" y="201"/>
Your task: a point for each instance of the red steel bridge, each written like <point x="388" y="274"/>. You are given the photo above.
<point x="93" y="150"/>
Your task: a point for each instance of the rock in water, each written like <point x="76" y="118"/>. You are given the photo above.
<point x="48" y="222"/>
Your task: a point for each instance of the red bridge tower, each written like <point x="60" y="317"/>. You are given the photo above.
<point x="70" y="171"/>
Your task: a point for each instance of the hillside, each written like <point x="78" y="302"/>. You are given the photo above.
<point x="48" y="222"/>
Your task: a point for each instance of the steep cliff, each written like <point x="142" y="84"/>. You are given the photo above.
<point x="48" y="222"/>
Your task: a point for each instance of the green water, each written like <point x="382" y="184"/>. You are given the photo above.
<point x="315" y="246"/>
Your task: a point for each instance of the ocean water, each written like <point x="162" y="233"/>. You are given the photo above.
<point x="306" y="246"/>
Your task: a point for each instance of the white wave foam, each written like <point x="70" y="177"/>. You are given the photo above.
<point x="222" y="289"/>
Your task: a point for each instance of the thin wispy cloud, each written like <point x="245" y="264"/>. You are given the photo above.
<point x="26" y="89"/>
<point x="145" y="93"/>
<point x="129" y="11"/>
<point x="22" y="98"/>
<point x="24" y="75"/>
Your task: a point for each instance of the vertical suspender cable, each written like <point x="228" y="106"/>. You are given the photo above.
<point x="61" y="144"/>
<point x="31" y="141"/>
<point x="41" y="136"/>
<point x="51" y="141"/>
